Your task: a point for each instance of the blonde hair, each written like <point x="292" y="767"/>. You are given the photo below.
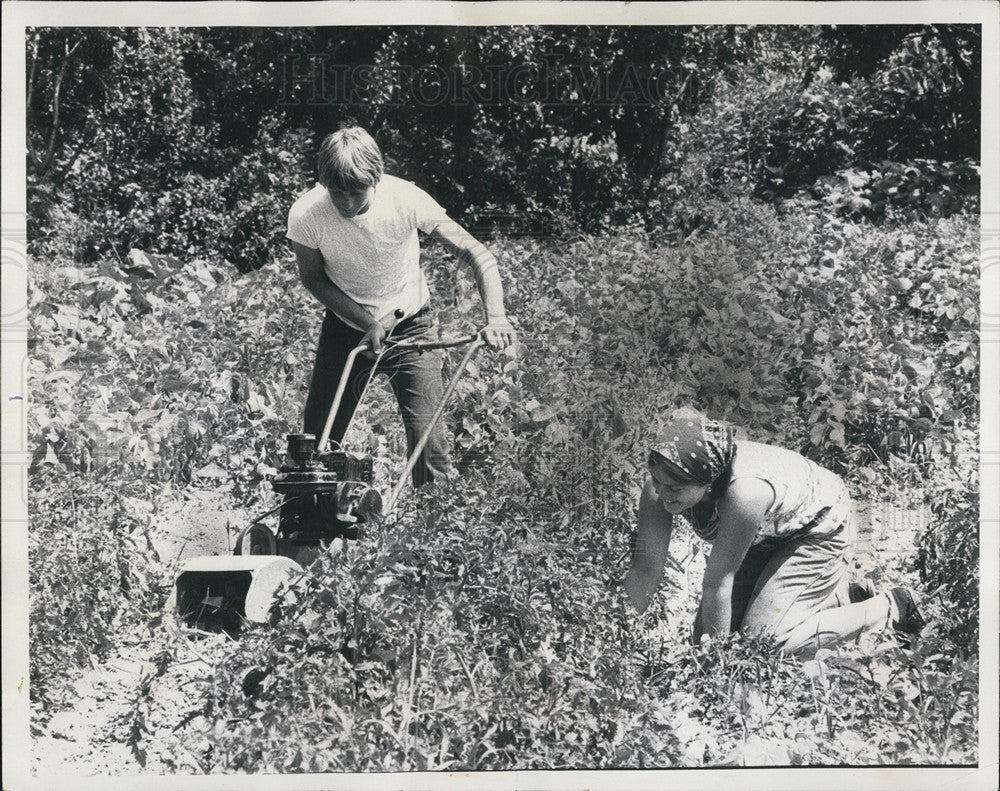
<point x="350" y="159"/>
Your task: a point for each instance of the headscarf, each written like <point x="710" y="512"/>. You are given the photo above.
<point x="693" y="448"/>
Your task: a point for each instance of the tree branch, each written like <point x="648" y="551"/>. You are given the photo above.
<point x="50" y="149"/>
<point x="951" y="46"/>
<point x="32" y="154"/>
<point x="85" y="140"/>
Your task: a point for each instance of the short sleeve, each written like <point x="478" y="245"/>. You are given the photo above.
<point x="429" y="214"/>
<point x="300" y="229"/>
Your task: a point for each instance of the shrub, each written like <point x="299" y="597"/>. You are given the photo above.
<point x="93" y="576"/>
<point x="479" y="631"/>
<point x="921" y="186"/>
<point x="430" y="648"/>
<point x="154" y="370"/>
<point x="948" y="552"/>
<point x="182" y="361"/>
<point x="884" y="124"/>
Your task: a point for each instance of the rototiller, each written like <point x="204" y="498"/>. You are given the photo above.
<point x="326" y="493"/>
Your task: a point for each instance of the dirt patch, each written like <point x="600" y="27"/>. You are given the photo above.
<point x="93" y="736"/>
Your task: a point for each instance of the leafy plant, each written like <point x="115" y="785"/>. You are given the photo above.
<point x="92" y="576"/>
<point x="481" y="627"/>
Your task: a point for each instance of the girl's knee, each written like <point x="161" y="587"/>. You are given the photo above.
<point x="777" y="631"/>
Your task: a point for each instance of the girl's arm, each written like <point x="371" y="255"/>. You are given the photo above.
<point x="740" y="515"/>
<point x="467" y="248"/>
<point x="649" y="552"/>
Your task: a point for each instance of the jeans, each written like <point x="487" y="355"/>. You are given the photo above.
<point x="415" y="377"/>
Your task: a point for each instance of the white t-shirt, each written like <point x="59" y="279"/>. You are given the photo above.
<point x="373" y="257"/>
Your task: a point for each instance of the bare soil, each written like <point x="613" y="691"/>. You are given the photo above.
<point x="93" y="737"/>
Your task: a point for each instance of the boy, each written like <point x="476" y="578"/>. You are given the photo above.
<point x="355" y="240"/>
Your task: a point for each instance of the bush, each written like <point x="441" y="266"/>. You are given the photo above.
<point x="429" y="649"/>
<point x="893" y="135"/>
<point x="921" y="187"/>
<point x="92" y="577"/>
<point x="948" y="553"/>
<point x="239" y="215"/>
<point x="181" y="363"/>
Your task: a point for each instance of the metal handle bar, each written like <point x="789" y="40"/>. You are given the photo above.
<point x="341" y="387"/>
<point x="476" y="341"/>
<point x="444" y="343"/>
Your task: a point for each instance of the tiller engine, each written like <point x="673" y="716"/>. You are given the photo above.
<point x="326" y="494"/>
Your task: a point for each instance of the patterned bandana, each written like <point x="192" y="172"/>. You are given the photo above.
<point x="693" y="448"/>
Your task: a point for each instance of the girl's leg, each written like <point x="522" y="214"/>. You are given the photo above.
<point x="898" y="608"/>
<point x="840" y="624"/>
<point x="800" y="597"/>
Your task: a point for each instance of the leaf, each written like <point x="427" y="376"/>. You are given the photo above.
<point x="140" y="265"/>
<point x="569" y="288"/>
<point x="50" y="456"/>
<point x="542" y="414"/>
<point x="212" y="471"/>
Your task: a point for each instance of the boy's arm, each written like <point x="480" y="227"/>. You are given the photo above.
<point x="498" y="331"/>
<point x="649" y="552"/>
<point x="314" y="278"/>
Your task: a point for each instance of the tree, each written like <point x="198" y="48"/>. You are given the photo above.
<point x="64" y="82"/>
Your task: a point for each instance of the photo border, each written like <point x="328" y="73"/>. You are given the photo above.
<point x="15" y="331"/>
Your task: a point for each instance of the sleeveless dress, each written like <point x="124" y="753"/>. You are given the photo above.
<point x="809" y="500"/>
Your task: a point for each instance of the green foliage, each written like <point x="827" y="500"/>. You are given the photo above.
<point x="862" y="705"/>
<point x="564" y="128"/>
<point x="91" y="571"/>
<point x="805" y="115"/>
<point x="948" y="553"/>
<point x="921" y="186"/>
<point x="431" y="649"/>
<point x="193" y="142"/>
<point x="156" y="370"/>
<point x="503" y="578"/>
<point x="482" y="629"/>
<point x="138" y="164"/>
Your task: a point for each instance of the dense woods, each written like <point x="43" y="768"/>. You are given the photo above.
<point x="191" y="140"/>
<point x="777" y="224"/>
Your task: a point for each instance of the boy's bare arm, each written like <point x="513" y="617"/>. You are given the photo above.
<point x="498" y="330"/>
<point x="314" y="278"/>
